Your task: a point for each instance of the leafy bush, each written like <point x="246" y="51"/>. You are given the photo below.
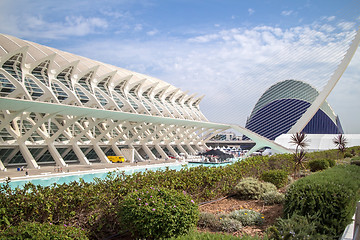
<point x="278" y="177"/>
<point x="228" y="224"/>
<point x="247" y="217"/>
<point x="348" y="155"/>
<point x="318" y="165"/>
<point x="158" y="213"/>
<point x="332" y="162"/>
<point x="355" y="162"/>
<point x="42" y="231"/>
<point x="251" y="188"/>
<point x="271" y="198"/>
<point x="208" y="220"/>
<point x="296" y="227"/>
<point x="331" y="195"/>
<point x="214" y="236"/>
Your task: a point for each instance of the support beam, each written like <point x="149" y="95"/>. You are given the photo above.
<point x="172" y="151"/>
<point x="80" y="155"/>
<point x="100" y="153"/>
<point x="56" y="155"/>
<point x="148" y="152"/>
<point x="2" y="167"/>
<point x="161" y="151"/>
<point x="116" y="150"/>
<point x="192" y="151"/>
<point x="31" y="163"/>
<point x="181" y="149"/>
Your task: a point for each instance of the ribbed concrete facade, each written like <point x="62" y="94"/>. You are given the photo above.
<point x="101" y="110"/>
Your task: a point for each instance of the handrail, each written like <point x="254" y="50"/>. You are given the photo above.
<point x="356" y="235"/>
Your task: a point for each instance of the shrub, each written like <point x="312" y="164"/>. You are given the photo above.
<point x="228" y="224"/>
<point x="158" y="213"/>
<point x="247" y="217"/>
<point x="208" y="220"/>
<point x="332" y="162"/>
<point x="271" y="198"/>
<point x="355" y="162"/>
<point x="318" y="165"/>
<point x="42" y="231"/>
<point x="214" y="236"/>
<point x="331" y="195"/>
<point x="278" y="177"/>
<point x="296" y="227"/>
<point x="251" y="188"/>
<point x="348" y="155"/>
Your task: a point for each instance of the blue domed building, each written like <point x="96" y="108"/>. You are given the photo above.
<point x="283" y="104"/>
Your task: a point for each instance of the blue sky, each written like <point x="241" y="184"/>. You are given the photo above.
<point x="231" y="51"/>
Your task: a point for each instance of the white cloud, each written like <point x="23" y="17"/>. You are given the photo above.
<point x="138" y="27"/>
<point x="116" y="14"/>
<point x="331" y="18"/>
<point x="204" y="38"/>
<point x="30" y="26"/>
<point x="251" y="11"/>
<point x="233" y="67"/>
<point x="345" y="26"/>
<point x="287" y="13"/>
<point x="152" y="32"/>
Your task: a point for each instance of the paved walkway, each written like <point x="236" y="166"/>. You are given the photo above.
<point x="50" y="170"/>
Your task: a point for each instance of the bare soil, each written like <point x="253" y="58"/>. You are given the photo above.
<point x="227" y="205"/>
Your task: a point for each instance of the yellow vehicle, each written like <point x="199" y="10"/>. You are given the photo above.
<point x="116" y="159"/>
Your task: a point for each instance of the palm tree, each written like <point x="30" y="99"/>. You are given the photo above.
<point x="301" y="142"/>
<point x="340" y="141"/>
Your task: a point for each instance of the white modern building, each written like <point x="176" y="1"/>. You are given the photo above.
<point x="59" y="108"/>
<point x="73" y="102"/>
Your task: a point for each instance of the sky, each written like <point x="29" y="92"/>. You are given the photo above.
<point x="231" y="51"/>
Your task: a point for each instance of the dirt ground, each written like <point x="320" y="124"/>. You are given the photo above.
<point x="271" y="213"/>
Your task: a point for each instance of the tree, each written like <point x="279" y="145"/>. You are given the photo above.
<point x="301" y="142"/>
<point x="340" y="142"/>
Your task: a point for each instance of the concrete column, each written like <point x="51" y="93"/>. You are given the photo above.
<point x="192" y="151"/>
<point x="80" y="155"/>
<point x="116" y="150"/>
<point x="137" y="156"/>
<point x="56" y="155"/>
<point x="173" y="152"/>
<point x="100" y="153"/>
<point x="31" y="163"/>
<point x="161" y="151"/>
<point x="2" y="167"/>
<point x="182" y="150"/>
<point x="148" y="152"/>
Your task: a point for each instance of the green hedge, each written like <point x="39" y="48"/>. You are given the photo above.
<point x="278" y="177"/>
<point x="330" y="196"/>
<point x="318" y="165"/>
<point x="154" y="213"/>
<point x="42" y="231"/>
